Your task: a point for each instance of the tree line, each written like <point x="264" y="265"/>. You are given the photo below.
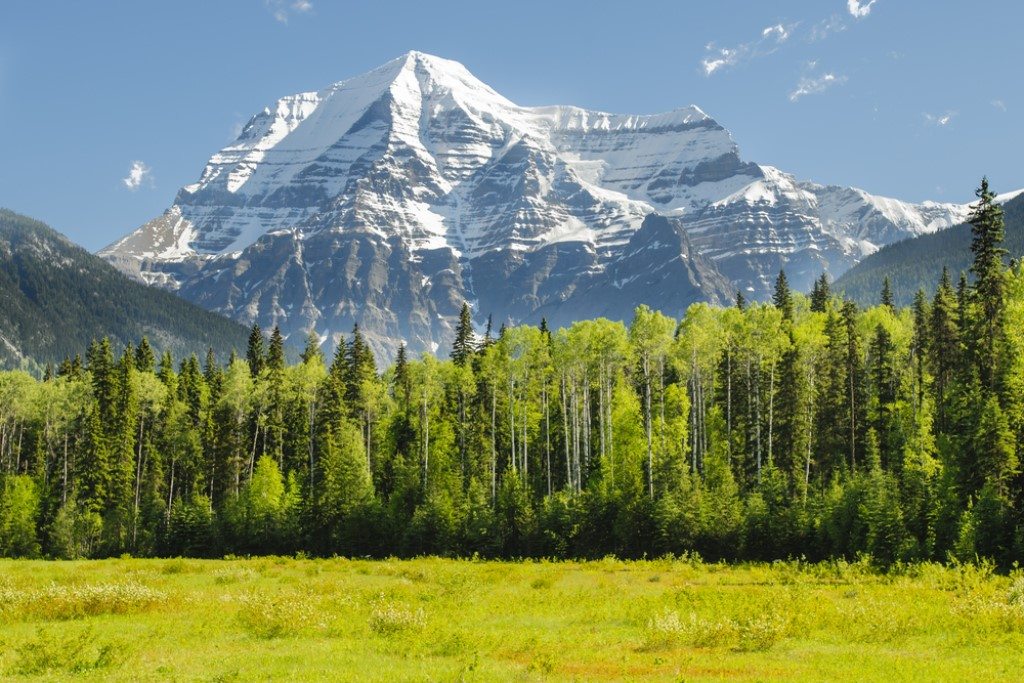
<point x="801" y="427"/>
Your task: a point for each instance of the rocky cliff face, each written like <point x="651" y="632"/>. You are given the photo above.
<point x="390" y="198"/>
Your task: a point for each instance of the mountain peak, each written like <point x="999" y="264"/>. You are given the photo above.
<point x="391" y="197"/>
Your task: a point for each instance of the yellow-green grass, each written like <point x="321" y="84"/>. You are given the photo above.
<point x="437" y="619"/>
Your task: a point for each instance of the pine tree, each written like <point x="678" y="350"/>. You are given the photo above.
<point x="820" y="294"/>
<point x="887" y="298"/>
<point x="274" y="430"/>
<point x="210" y="366"/>
<point x="783" y="297"/>
<point x="943" y="346"/>
<point x="275" y="353"/>
<point x="403" y="383"/>
<point x="741" y="301"/>
<point x="463" y="347"/>
<point x="854" y="398"/>
<point x="967" y="359"/>
<point x="145" y="359"/>
<point x="789" y="414"/>
<point x="312" y="350"/>
<point x="919" y="347"/>
<point x="987" y="227"/>
<point x="488" y="339"/>
<point x="255" y="354"/>
<point x="994" y="450"/>
<point x="360" y="367"/>
<point x="885" y="377"/>
<point x="100" y="363"/>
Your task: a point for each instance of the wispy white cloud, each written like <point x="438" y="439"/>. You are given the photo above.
<point x="940" y="120"/>
<point x="826" y="27"/>
<point x="999" y="104"/>
<point x="859" y="9"/>
<point x="814" y="82"/>
<point x="777" y="32"/>
<point x="137" y="175"/>
<point x="718" y="58"/>
<point x="282" y="9"/>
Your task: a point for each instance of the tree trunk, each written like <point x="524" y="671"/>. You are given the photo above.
<point x="494" y="446"/>
<point x="647" y="424"/>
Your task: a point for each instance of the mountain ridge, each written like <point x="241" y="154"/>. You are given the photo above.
<point x="421" y="159"/>
<point x="917" y="262"/>
<point x="57" y="297"/>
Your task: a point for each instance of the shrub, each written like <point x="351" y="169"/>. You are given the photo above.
<point x="277" y="616"/>
<point x="389" y="618"/>
<point x="757" y="634"/>
<point x="663" y="631"/>
<point x="57" y="602"/>
<point x="48" y="654"/>
<point x="761" y="633"/>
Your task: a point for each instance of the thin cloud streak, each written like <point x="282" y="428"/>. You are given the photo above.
<point x="940" y="120"/>
<point x="812" y="84"/>
<point x="725" y="57"/>
<point x="281" y="9"/>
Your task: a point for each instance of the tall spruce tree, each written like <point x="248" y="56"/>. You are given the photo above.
<point x="256" y="354"/>
<point x="145" y="359"/>
<point x="988" y="230"/>
<point x="854" y="363"/>
<point x="275" y="352"/>
<point x="783" y="297"/>
<point x="943" y="347"/>
<point x="312" y="351"/>
<point x="887" y="299"/>
<point x="820" y="294"/>
<point x="463" y="347"/>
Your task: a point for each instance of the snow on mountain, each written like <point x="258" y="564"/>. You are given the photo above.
<point x="389" y="198"/>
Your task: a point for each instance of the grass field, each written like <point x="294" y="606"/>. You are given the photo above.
<point x="436" y="619"/>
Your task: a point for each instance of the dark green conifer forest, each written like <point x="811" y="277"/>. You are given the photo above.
<point x="806" y="427"/>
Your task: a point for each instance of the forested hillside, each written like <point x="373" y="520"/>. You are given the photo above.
<point x="806" y="427"/>
<point x="917" y="263"/>
<point x="55" y="297"/>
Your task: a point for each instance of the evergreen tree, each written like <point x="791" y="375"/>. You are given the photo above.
<point x="275" y="353"/>
<point x="854" y="379"/>
<point x="987" y="227"/>
<point x="360" y="367"/>
<point x="820" y="294"/>
<point x="255" y="354"/>
<point x="919" y="347"/>
<point x="210" y="366"/>
<point x="995" y="450"/>
<point x="741" y="301"/>
<point x="788" y="414"/>
<point x="887" y="298"/>
<point x="885" y="377"/>
<point x="783" y="297"/>
<point x="944" y="346"/>
<point x="312" y="350"/>
<point x="145" y="359"/>
<point x="488" y="339"/>
<point x="463" y="347"/>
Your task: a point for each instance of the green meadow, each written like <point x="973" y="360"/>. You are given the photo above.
<point x="450" y="620"/>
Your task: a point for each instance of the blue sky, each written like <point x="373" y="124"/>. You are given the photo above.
<point x="905" y="98"/>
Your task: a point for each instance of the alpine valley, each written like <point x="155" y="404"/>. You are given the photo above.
<point x="389" y="199"/>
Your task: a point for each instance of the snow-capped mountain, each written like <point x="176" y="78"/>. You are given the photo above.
<point x="390" y="198"/>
